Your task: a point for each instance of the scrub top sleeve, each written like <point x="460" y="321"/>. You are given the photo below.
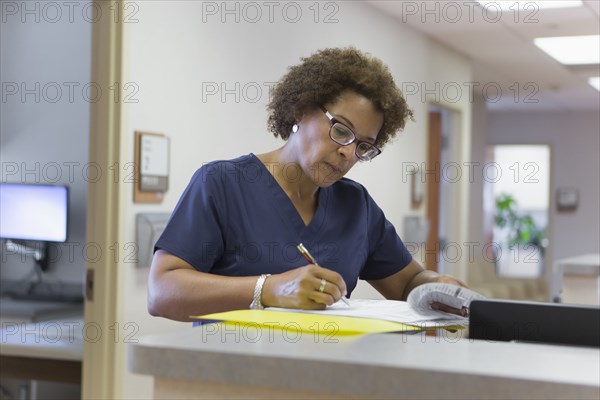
<point x="387" y="253"/>
<point x="194" y="232"/>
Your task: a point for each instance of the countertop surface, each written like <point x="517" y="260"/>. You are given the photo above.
<point x="377" y="365"/>
<point x="586" y="264"/>
<point x="59" y="339"/>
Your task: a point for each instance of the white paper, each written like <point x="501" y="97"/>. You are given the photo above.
<point x="154" y="155"/>
<point x="455" y="296"/>
<point x="402" y="311"/>
<point x="389" y="310"/>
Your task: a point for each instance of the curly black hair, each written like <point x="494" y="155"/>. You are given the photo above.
<point x="322" y="77"/>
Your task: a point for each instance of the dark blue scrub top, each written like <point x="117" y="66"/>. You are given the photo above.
<point x="235" y="220"/>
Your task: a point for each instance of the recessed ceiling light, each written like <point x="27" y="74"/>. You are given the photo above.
<point x="510" y="4"/>
<point x="571" y="50"/>
<point x="595" y="82"/>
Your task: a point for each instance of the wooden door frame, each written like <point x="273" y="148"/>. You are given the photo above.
<point x="432" y="179"/>
<point x="101" y="359"/>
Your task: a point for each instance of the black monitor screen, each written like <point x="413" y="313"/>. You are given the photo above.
<point x="33" y="212"/>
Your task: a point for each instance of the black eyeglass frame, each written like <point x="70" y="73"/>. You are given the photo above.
<point x="333" y="120"/>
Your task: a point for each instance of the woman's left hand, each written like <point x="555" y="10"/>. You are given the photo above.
<point x="463" y="312"/>
<point x="451" y="280"/>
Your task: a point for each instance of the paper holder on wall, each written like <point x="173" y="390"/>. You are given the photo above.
<point x="149" y="227"/>
<point x="415" y="229"/>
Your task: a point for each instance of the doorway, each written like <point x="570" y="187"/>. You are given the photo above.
<point x="516" y="207"/>
<point x="442" y="174"/>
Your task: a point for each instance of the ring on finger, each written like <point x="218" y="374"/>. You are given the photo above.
<point x="322" y="286"/>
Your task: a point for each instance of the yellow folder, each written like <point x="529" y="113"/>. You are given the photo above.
<point x="309" y="323"/>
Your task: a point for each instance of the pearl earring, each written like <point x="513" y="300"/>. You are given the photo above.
<point x="295" y="128"/>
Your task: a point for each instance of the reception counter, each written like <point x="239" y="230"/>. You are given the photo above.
<point x="576" y="280"/>
<point x="227" y="362"/>
<point x="48" y="350"/>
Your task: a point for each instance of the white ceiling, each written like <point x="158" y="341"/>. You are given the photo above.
<point x="503" y="52"/>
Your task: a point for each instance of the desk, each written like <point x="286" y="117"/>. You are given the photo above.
<point x="48" y="350"/>
<point x="214" y="362"/>
<point x="576" y="280"/>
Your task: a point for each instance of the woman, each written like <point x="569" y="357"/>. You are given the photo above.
<point x="231" y="241"/>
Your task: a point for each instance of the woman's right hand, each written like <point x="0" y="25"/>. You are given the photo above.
<point x="300" y="288"/>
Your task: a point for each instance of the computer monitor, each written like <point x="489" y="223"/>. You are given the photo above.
<point x="33" y="212"/>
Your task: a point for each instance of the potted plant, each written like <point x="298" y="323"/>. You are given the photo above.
<point x="521" y="229"/>
<point x="520" y="234"/>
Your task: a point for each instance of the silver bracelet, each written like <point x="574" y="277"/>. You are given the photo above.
<point x="257" y="297"/>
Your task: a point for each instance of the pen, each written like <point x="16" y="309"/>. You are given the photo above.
<point x="304" y="251"/>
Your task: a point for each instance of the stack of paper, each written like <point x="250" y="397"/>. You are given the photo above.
<point x="362" y="316"/>
<point x="387" y="310"/>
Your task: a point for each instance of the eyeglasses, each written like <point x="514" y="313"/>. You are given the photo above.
<point x="344" y="136"/>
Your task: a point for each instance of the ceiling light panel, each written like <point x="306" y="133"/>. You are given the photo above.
<point x="571" y="50"/>
<point x="520" y="5"/>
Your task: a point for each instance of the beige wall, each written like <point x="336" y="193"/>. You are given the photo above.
<point x="171" y="54"/>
